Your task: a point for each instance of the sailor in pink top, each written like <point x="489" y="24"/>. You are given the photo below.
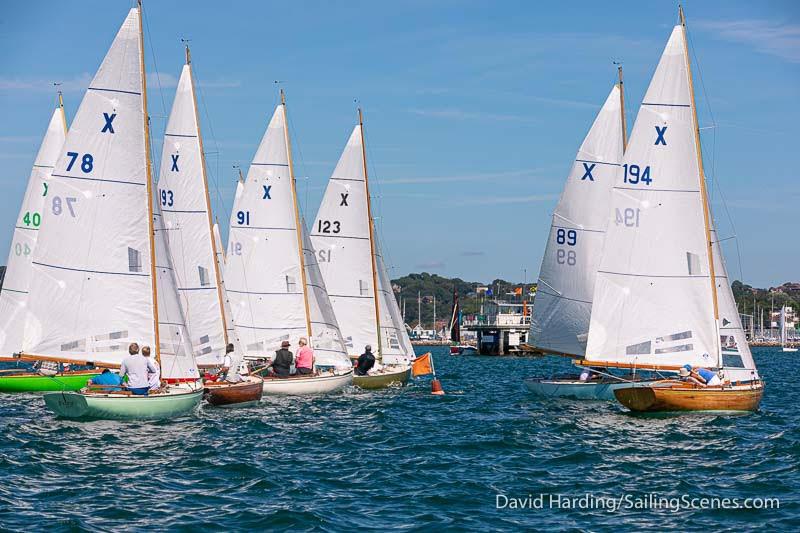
<point x="305" y="358"/>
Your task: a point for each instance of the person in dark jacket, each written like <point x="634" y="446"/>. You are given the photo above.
<point x="365" y="361"/>
<point x="281" y="365"/>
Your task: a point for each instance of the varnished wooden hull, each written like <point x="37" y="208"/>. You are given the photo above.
<point x="241" y="394"/>
<point x="383" y="379"/>
<point x="678" y="396"/>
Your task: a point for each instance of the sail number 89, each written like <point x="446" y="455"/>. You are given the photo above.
<point x="569" y="237"/>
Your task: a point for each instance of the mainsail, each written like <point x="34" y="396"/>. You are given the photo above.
<point x="267" y="276"/>
<point x="347" y="254"/>
<point x="656" y="297"/>
<point x="14" y="308"/>
<point x="184" y="202"/>
<point x="94" y="283"/>
<point x="563" y="304"/>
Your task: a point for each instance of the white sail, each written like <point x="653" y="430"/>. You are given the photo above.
<point x="183" y="197"/>
<point x="653" y="302"/>
<point x="14" y="296"/>
<point x="177" y="359"/>
<point x="329" y="348"/>
<point x="263" y="274"/>
<point x="91" y="290"/>
<point x="563" y="304"/>
<point x="225" y="300"/>
<point x="341" y="237"/>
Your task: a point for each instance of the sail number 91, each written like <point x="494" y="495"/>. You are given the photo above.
<point x="635" y="174"/>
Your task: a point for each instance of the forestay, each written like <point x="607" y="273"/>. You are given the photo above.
<point x="563" y="304"/>
<point x="183" y="197"/>
<point x="14" y="308"/>
<point x="263" y="273"/>
<point x="652" y="301"/>
<point x="91" y="291"/>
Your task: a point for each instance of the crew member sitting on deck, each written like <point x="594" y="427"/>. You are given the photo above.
<point x="365" y="361"/>
<point x="111" y="382"/>
<point x="154" y="378"/>
<point x="305" y="358"/>
<point x="700" y="376"/>
<point x="283" y="361"/>
<point x="137" y="367"/>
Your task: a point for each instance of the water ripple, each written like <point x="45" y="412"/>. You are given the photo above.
<point x="401" y="459"/>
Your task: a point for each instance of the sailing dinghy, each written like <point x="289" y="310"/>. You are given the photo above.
<point x="14" y="308"/>
<point x="662" y="297"/>
<point x="98" y="281"/>
<point x="360" y="291"/>
<point x="563" y="304"/>
<point x="272" y="276"/>
<point x="185" y="205"/>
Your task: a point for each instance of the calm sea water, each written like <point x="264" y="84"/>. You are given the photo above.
<point x="404" y="459"/>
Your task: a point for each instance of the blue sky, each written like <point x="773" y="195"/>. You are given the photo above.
<point x="474" y="109"/>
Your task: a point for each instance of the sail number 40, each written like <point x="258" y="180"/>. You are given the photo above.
<point x="635" y="174"/>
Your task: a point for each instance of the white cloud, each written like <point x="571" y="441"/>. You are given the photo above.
<point x="774" y="38"/>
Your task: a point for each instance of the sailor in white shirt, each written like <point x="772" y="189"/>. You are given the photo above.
<point x="154" y="378"/>
<point x="136" y="367"/>
<point x="229" y="371"/>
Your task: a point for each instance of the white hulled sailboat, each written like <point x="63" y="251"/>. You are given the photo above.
<point x="101" y="275"/>
<point x="662" y="299"/>
<point x="563" y="304"/>
<point x="272" y="276"/>
<point x="360" y="290"/>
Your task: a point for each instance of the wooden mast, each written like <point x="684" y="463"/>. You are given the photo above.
<point x="703" y="191"/>
<point x="151" y="229"/>
<point x="622" y="110"/>
<point x="372" y="248"/>
<point x="296" y="216"/>
<point x="217" y="275"/>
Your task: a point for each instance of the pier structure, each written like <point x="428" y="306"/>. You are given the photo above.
<point x="502" y="327"/>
